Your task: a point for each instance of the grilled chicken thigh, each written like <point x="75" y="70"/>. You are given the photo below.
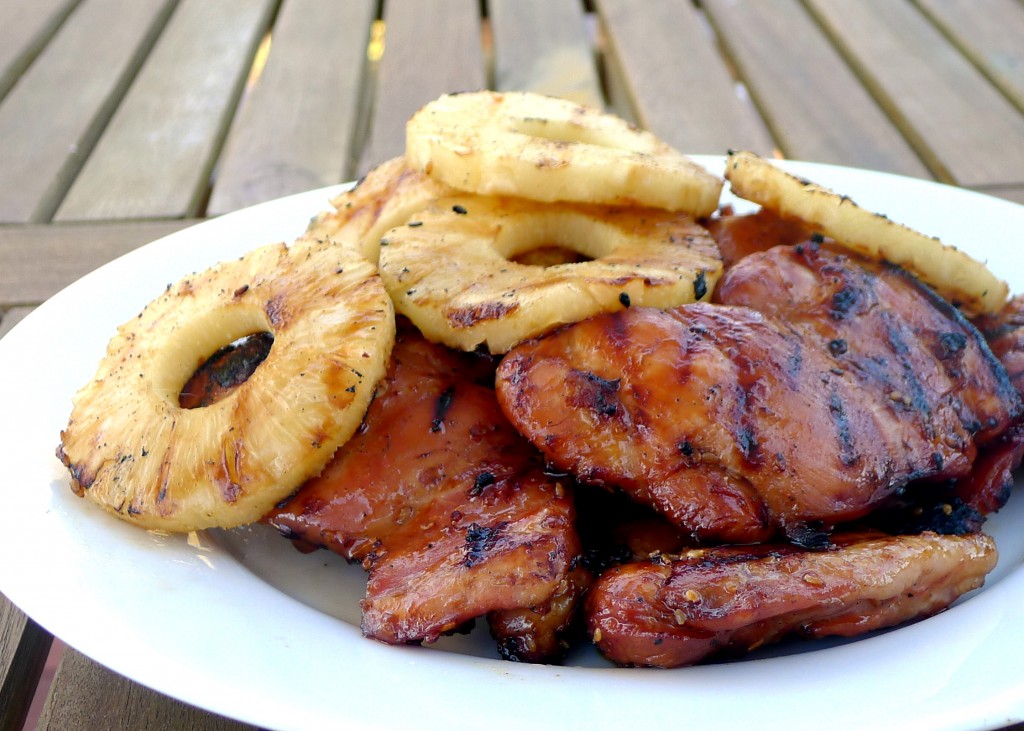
<point x="443" y="503"/>
<point x="936" y="367"/>
<point x="673" y="612"/>
<point x="737" y="424"/>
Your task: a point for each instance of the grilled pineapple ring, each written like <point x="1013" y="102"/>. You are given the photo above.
<point x="451" y="270"/>
<point x="952" y="273"/>
<point x="385" y="198"/>
<point x="130" y="446"/>
<point x="547" y="149"/>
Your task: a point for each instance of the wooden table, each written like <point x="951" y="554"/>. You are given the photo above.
<point x="124" y="120"/>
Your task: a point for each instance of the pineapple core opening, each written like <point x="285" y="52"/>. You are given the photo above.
<point x="549" y="256"/>
<point x="225" y="370"/>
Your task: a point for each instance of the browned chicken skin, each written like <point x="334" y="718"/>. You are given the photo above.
<point x="736" y="424"/>
<point x="988" y="486"/>
<point x="890" y="334"/>
<point x="674" y="612"/>
<point x="738" y="236"/>
<point x="931" y="359"/>
<point x="443" y="503"/>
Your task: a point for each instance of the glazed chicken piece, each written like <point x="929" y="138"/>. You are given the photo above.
<point x="889" y="333"/>
<point x="738" y="236"/>
<point x="988" y="486"/>
<point x="670" y="613"/>
<point x="542" y="633"/>
<point x="447" y="508"/>
<point x="737" y="424"/>
<point x="929" y="359"/>
<point x="1005" y="335"/>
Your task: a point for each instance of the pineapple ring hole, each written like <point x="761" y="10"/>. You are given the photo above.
<point x="549" y="255"/>
<point x="189" y="347"/>
<point x="226" y="370"/>
<point x="551" y="238"/>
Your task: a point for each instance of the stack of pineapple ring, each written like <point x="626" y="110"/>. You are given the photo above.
<point x="442" y="235"/>
<point x="489" y="178"/>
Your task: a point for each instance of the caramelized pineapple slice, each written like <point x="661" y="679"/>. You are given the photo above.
<point x="548" y="149"/>
<point x="452" y="270"/>
<point x="385" y="198"/>
<point x="953" y="274"/>
<point x="133" y="449"/>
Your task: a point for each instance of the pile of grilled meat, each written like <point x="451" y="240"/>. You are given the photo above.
<point x="813" y="453"/>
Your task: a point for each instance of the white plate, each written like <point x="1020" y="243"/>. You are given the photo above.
<point x="243" y="625"/>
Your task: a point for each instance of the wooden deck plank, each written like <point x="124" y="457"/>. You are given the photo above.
<point x="431" y="47"/>
<point x="997" y="48"/>
<point x="23" y="649"/>
<point x="85" y="694"/>
<point x="1012" y="193"/>
<point x="961" y="126"/>
<point x="781" y="53"/>
<point x="674" y="82"/>
<point x="37" y="261"/>
<point x="53" y="116"/>
<point x="11" y="317"/>
<point x="295" y="131"/>
<point x="546" y="47"/>
<point x="25" y="27"/>
<point x="154" y="159"/>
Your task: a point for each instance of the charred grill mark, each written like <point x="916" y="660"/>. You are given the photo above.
<point x="597" y="394"/>
<point x="482" y="482"/>
<point x="847" y="451"/>
<point x="917" y="399"/>
<point x="441" y="407"/>
<point x="481" y="540"/>
<point x="747" y="441"/>
<point x="951" y="344"/>
<point x="276" y="311"/>
<point x="843" y="301"/>
<point x="795" y="361"/>
<point x="469" y="316"/>
<point x="1005" y="389"/>
<point x="745" y="434"/>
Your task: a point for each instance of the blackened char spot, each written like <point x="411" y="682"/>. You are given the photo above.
<point x="950" y="344"/>
<point x="700" y="285"/>
<point x="441" y="406"/>
<point x="847" y="451"/>
<point x="480" y="540"/>
<point x="842" y="302"/>
<point x="483" y="480"/>
<point x="811" y="536"/>
<point x="596" y="393"/>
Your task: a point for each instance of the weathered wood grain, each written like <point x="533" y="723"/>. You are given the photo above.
<point x="86" y="695"/>
<point x="51" y="119"/>
<point x="545" y="46"/>
<point x="431" y="47"/>
<point x="155" y="157"/>
<point x="25" y="27"/>
<point x="11" y="317"/>
<point x="813" y="103"/>
<point x="37" y="261"/>
<point x="296" y="128"/>
<point x="23" y="649"/>
<point x="668" y="76"/>
<point x="997" y="48"/>
<point x="961" y="126"/>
